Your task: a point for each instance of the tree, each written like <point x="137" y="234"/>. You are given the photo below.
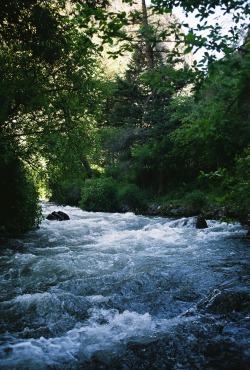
<point x="136" y="109"/>
<point x="215" y="129"/>
<point x="215" y="39"/>
<point x="49" y="96"/>
<point x="52" y="95"/>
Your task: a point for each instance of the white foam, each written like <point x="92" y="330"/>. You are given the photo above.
<point x="104" y="329"/>
<point x="106" y="261"/>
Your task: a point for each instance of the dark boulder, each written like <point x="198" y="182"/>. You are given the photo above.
<point x="201" y="223"/>
<point x="58" y="216"/>
<point x="63" y="215"/>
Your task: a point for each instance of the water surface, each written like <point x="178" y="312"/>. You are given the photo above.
<point x="120" y="291"/>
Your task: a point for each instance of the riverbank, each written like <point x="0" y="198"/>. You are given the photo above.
<point x="211" y="212"/>
<point x="210" y="203"/>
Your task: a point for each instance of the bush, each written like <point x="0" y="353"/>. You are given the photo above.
<point x="99" y="195"/>
<point x="131" y="198"/>
<point x="238" y="197"/>
<point x="196" y="199"/>
<point x="68" y="192"/>
<point x="19" y="203"/>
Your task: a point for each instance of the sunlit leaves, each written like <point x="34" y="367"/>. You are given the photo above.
<point x="210" y="37"/>
<point x="102" y="27"/>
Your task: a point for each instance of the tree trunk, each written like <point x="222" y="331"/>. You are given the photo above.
<point x="87" y="167"/>
<point x="148" y="46"/>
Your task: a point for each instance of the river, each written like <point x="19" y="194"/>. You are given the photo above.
<point x="121" y="291"/>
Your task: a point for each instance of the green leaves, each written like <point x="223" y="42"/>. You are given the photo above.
<point x="103" y="27"/>
<point x="209" y="34"/>
<point x="99" y="195"/>
<point x="50" y="93"/>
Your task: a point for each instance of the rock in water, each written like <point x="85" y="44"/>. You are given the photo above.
<point x="201" y="223"/>
<point x="58" y="216"/>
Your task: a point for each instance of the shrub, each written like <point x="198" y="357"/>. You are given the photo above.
<point x="238" y="197"/>
<point x="68" y="192"/>
<point x="19" y="203"/>
<point x="196" y="199"/>
<point x="99" y="195"/>
<point x="131" y="198"/>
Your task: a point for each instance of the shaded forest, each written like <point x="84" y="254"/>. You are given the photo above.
<point x="166" y="130"/>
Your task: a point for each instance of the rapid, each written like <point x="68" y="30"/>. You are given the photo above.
<point x="123" y="291"/>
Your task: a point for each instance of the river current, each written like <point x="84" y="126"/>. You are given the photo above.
<point x="121" y="291"/>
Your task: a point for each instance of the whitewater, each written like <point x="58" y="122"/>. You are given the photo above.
<point x="124" y="291"/>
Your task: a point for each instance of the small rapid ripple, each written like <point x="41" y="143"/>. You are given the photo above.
<point x="120" y="291"/>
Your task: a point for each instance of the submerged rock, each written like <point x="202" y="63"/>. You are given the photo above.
<point x="58" y="216"/>
<point x="226" y="301"/>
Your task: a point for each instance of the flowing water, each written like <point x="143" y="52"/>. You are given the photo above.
<point x="120" y="291"/>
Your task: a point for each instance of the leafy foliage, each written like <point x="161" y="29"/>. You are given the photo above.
<point x="107" y="195"/>
<point x="181" y="137"/>
<point x="20" y="210"/>
<point x="196" y="199"/>
<point x="159" y="127"/>
<point x="99" y="195"/>
<point x="131" y="198"/>
<point x="238" y="196"/>
<point x="67" y="192"/>
<point x="48" y="93"/>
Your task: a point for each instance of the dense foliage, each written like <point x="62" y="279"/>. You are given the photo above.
<point x="19" y="198"/>
<point x="176" y="139"/>
<point x="198" y="138"/>
<point x="49" y="92"/>
<point x="108" y="195"/>
<point x="164" y="129"/>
